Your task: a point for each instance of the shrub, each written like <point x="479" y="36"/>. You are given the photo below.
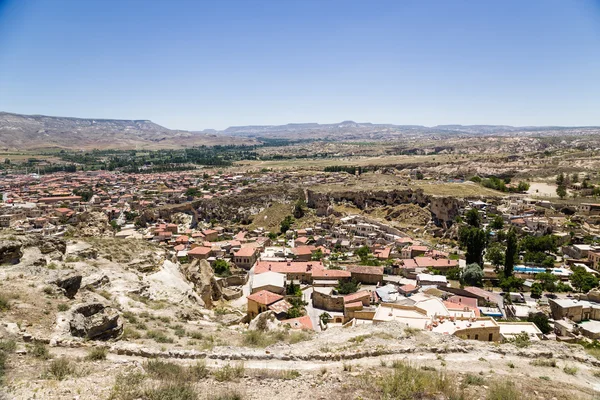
<point x="130" y="317"/>
<point x="60" y="368"/>
<point x="570" y="370"/>
<point x="97" y="354"/>
<point x="504" y="391"/>
<point x="262" y="339"/>
<point x="521" y="340"/>
<point x="4" y="303"/>
<point x="408" y="383"/>
<point x="299" y="336"/>
<point x="168" y="371"/>
<point x="196" y="335"/>
<point x="127" y="386"/>
<point x="130" y="333"/>
<point x="163" y="370"/>
<point x="159" y="337"/>
<point x="40" y="350"/>
<point x="171" y="391"/>
<point x="229" y="373"/>
<point x="474" y="380"/>
<point x="544" y="363"/>
<point x="6" y="347"/>
<point x="48" y="290"/>
<point x="230" y="395"/>
<point x="62" y="307"/>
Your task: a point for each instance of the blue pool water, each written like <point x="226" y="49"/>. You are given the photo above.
<point x="536" y="270"/>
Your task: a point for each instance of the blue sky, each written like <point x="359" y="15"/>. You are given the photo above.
<point x="212" y="64"/>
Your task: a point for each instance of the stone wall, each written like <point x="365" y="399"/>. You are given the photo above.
<point x="327" y="302"/>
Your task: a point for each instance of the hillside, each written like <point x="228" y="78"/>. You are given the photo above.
<point x="350" y="130"/>
<point x="32" y="132"/>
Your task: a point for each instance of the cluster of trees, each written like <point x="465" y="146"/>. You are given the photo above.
<point x="502" y="251"/>
<point x="85" y="193"/>
<point x="366" y="258"/>
<point x="501" y="184"/>
<point x="344" y="168"/>
<point x="563" y="181"/>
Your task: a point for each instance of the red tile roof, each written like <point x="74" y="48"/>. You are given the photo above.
<point x="265" y="297"/>
<point x="330" y="273"/>
<point x="351" y="298"/>
<point x="363" y="269"/>
<point x="287" y="267"/>
<point x="200" y="250"/>
<point x="304" y="323"/>
<point x="245" y="252"/>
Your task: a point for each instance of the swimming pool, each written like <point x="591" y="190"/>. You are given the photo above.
<point x="536" y="270"/>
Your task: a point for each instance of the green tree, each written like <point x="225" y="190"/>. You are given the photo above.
<point x="495" y="254"/>
<point x="272" y="235"/>
<point x="472" y="275"/>
<point x="347" y="287"/>
<point x="561" y="191"/>
<point x="363" y="252"/>
<point x="497" y="222"/>
<point x="560" y="179"/>
<point x="541" y="320"/>
<point x="511" y="253"/>
<point x="299" y="208"/>
<point x="583" y="280"/>
<point x="292" y="289"/>
<point x="474" y="241"/>
<point x="523" y="187"/>
<point x="192" y="192"/>
<point x="286" y="224"/>
<point x="547" y="280"/>
<point x="317" y="255"/>
<point x="536" y="290"/>
<point x="511" y="284"/>
<point x="221" y="268"/>
<point x="325" y="318"/>
<point x="575" y="178"/>
<point x="473" y="218"/>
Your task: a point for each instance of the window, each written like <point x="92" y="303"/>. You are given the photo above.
<point x="476" y="337"/>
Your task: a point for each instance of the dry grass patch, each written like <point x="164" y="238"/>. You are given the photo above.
<point x="60" y="369"/>
<point x="229" y="373"/>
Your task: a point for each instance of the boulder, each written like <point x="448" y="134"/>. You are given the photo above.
<point x="70" y="284"/>
<point x="265" y="321"/>
<point x="95" y="281"/>
<point x="10" y="251"/>
<point x="201" y="275"/>
<point x="95" y="321"/>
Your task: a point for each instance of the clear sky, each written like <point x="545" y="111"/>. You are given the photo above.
<point x="211" y="64"/>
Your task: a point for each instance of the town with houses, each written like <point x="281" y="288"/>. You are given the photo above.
<point x="343" y="270"/>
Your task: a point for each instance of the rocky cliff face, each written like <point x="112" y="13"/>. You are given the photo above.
<point x="443" y="209"/>
<point x="242" y="207"/>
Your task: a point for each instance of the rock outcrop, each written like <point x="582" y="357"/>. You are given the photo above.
<point x="93" y="224"/>
<point x="265" y="321"/>
<point x="201" y="275"/>
<point x="70" y="284"/>
<point x="95" y="321"/>
<point x="10" y="251"/>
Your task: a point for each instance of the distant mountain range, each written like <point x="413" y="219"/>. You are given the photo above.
<point x="29" y="132"/>
<point x="350" y="130"/>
